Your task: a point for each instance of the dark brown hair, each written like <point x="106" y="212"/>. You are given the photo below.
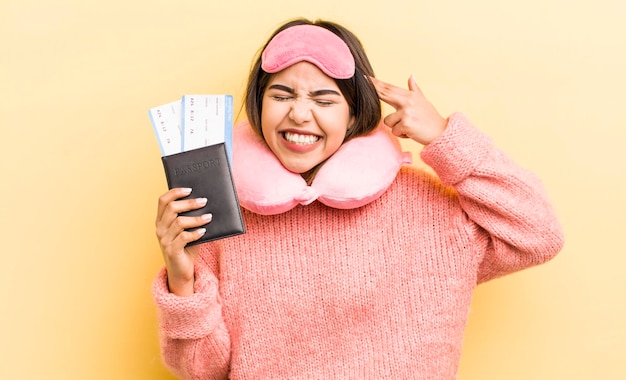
<point x="359" y="92"/>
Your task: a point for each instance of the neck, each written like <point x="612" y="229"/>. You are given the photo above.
<point x="309" y="175"/>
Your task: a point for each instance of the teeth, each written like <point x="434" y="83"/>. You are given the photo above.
<point x="300" y="139"/>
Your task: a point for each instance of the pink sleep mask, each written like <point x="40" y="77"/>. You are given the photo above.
<point x="312" y="44"/>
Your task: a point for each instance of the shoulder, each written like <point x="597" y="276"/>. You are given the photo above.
<point x="417" y="184"/>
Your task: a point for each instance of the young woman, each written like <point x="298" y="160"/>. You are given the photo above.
<point x="353" y="265"/>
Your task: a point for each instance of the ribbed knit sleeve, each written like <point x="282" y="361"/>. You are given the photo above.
<point x="458" y="151"/>
<point x="190" y="317"/>
<point x="506" y="201"/>
<point x="195" y="343"/>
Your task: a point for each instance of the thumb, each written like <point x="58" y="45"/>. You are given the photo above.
<point x="413" y="84"/>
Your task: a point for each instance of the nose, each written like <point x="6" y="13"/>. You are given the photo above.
<point x="300" y="111"/>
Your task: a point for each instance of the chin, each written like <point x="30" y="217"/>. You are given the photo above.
<point x="297" y="168"/>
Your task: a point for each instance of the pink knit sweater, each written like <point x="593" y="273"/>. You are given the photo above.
<point x="377" y="292"/>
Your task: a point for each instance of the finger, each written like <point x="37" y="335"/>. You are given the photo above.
<point x="175" y="247"/>
<point x="181" y="229"/>
<point x="389" y="93"/>
<point x="399" y="132"/>
<point x="169" y="197"/>
<point x="392" y="119"/>
<point x="187" y="237"/>
<point x="176" y="207"/>
<point x="183" y="223"/>
<point x="413" y="85"/>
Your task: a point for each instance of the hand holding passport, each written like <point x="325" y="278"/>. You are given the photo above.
<point x="195" y="138"/>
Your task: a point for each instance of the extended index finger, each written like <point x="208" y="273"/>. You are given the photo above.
<point x="389" y="93"/>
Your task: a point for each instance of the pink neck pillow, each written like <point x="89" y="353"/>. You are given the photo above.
<point x="357" y="174"/>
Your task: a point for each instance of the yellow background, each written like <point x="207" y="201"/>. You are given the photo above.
<point x="81" y="168"/>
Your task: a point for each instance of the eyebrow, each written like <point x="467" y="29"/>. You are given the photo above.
<point x="313" y="93"/>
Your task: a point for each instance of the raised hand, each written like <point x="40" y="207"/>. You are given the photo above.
<point x="415" y="117"/>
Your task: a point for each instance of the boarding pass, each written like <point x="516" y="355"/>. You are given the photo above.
<point x="193" y="122"/>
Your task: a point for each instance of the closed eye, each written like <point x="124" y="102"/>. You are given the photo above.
<point x="324" y="103"/>
<point x="282" y="93"/>
<point x="325" y="94"/>
<point x="281" y="98"/>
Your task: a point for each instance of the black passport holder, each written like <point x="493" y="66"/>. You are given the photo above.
<point x="207" y="172"/>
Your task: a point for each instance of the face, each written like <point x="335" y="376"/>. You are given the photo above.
<point x="305" y="117"/>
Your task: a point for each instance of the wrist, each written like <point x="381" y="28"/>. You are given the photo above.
<point x="180" y="287"/>
<point x="439" y="126"/>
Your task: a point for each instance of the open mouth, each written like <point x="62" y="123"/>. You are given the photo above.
<point x="296" y="138"/>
